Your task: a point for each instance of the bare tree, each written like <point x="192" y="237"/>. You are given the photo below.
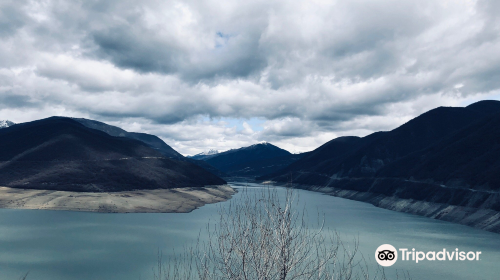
<point x="262" y="235"/>
<point x="179" y="267"/>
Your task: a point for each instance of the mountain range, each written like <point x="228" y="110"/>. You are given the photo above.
<point x="448" y="156"/>
<point x="62" y="154"/>
<point x="442" y="164"/>
<point x="252" y="161"/>
<point x="152" y="141"/>
<point x="374" y="155"/>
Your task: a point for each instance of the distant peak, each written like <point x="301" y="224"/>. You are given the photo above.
<point x="484" y="102"/>
<point x="210" y="152"/>
<point x="6" y="123"/>
<point x="265" y="143"/>
<point x="485" y="106"/>
<point x="262" y="145"/>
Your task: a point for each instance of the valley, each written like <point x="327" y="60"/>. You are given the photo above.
<point x="442" y="164"/>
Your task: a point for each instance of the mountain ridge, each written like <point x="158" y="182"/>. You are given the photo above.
<point x="251" y="161"/>
<point x="152" y="140"/>
<point x="364" y="156"/>
<point x="446" y="157"/>
<point x="60" y="153"/>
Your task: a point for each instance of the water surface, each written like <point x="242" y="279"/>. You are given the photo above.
<point x="61" y="245"/>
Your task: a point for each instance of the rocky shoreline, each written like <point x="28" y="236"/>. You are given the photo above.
<point x="485" y="219"/>
<point x="474" y="208"/>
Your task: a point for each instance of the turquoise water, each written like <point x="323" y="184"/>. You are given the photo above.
<point x="59" y="245"/>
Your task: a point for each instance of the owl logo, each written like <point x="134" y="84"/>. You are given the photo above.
<point x="386" y="255"/>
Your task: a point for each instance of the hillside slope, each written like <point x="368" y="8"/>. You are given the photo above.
<point x="151" y="140"/>
<point x="469" y="158"/>
<point x="62" y="154"/>
<point x="251" y="161"/>
<point x="353" y="157"/>
<point x="443" y="164"/>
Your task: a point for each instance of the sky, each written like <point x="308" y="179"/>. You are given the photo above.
<point x="225" y="74"/>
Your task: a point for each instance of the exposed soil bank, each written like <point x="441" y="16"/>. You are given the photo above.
<point x="181" y="200"/>
<point x="473" y="208"/>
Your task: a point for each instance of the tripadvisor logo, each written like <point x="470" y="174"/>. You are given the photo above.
<point x="387" y="255"/>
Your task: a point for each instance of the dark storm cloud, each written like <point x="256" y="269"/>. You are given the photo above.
<point x="130" y="48"/>
<point x="140" y="50"/>
<point x="11" y="100"/>
<point x="11" y="18"/>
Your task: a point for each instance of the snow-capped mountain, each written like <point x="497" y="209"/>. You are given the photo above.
<point x="6" y="123"/>
<point x="210" y="152"/>
<point x="203" y="155"/>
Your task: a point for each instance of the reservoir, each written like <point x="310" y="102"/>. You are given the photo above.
<point x="63" y="245"/>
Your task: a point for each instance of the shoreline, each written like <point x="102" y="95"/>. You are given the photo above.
<point x="177" y="200"/>
<point x="480" y="218"/>
<point x="484" y="219"/>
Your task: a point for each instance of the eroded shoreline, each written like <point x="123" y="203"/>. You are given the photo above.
<point x="480" y="218"/>
<point x="178" y="200"/>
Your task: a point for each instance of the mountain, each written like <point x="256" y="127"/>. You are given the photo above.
<point x="205" y="165"/>
<point x="363" y="157"/>
<point x="151" y="140"/>
<point x="62" y="154"/>
<point x="204" y="155"/>
<point x="6" y="123"/>
<point x="251" y="161"/>
<point x="468" y="159"/>
<point x="259" y="167"/>
<point x="446" y="157"/>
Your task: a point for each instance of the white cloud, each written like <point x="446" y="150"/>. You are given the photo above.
<point x="310" y="70"/>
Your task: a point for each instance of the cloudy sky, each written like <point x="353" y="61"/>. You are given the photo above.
<point x="225" y="74"/>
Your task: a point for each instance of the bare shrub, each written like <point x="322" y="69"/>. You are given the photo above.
<point x="260" y="235"/>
